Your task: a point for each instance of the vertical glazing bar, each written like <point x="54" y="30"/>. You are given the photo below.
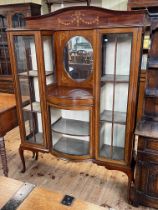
<point x="113" y="101"/>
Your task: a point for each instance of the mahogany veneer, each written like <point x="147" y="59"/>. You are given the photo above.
<point x="84" y="114"/>
<point x="70" y="96"/>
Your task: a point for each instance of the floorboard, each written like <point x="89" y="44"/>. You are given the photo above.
<point x="85" y="181"/>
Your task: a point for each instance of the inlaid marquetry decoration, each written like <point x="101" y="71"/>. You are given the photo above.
<point x="79" y="18"/>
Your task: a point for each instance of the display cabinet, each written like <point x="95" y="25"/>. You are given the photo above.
<point x="11" y="15"/>
<point x="79" y="73"/>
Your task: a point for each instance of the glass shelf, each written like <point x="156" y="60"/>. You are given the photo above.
<point x="118" y="78"/>
<point x="114" y="153"/>
<point x="37" y="138"/>
<point x="119" y="117"/>
<point x="34" y="108"/>
<point x="147" y="128"/>
<point x="72" y="146"/>
<point x="151" y="92"/>
<point x="71" y="127"/>
<point x="34" y="73"/>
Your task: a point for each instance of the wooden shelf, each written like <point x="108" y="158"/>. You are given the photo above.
<point x="147" y="128"/>
<point x="33" y="73"/>
<point x="117" y="152"/>
<point x="119" y="117"/>
<point x="37" y="140"/>
<point x="72" y="146"/>
<point x="35" y="105"/>
<point x="151" y="92"/>
<point x="118" y="78"/>
<point x="71" y="127"/>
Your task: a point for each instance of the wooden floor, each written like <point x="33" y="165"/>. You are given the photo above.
<point x="85" y="181"/>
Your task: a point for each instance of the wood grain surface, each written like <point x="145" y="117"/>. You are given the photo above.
<point x="8" y="188"/>
<point x="85" y="181"/>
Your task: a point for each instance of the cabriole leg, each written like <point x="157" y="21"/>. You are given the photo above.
<point x="21" y="152"/>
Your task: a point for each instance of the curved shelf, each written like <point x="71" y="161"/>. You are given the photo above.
<point x="71" y="127"/>
<point x="72" y="146"/>
<point x="62" y="95"/>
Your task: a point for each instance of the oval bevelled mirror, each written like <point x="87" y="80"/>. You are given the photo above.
<point x="78" y="58"/>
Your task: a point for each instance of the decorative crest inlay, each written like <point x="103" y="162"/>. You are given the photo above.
<point x="78" y="17"/>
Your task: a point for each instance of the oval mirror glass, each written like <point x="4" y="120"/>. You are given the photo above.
<point x="78" y="58"/>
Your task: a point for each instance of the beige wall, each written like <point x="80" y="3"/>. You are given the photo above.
<point x="109" y="4"/>
<point x="19" y="1"/>
<point x="115" y="4"/>
<point x="97" y="3"/>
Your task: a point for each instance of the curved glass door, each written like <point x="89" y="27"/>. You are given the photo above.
<point x="114" y="94"/>
<point x="70" y="131"/>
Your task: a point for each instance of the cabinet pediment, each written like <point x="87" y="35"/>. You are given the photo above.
<point x="87" y="17"/>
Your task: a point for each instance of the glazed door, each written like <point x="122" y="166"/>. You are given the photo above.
<point x="118" y="94"/>
<point x="29" y="89"/>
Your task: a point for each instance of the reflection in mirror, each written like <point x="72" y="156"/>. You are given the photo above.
<point x="78" y="58"/>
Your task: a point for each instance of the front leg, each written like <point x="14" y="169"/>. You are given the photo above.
<point x="21" y="152"/>
<point x="3" y="156"/>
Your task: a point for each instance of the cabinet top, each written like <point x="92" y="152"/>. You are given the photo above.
<point x="143" y="3"/>
<point x="84" y="17"/>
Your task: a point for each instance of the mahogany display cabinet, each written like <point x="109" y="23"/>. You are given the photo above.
<point x="79" y="70"/>
<point x="12" y="15"/>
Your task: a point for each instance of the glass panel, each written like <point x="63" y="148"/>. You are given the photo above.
<point x="78" y="58"/>
<point x="18" y="20"/>
<point x="114" y="94"/>
<point x="70" y="131"/>
<point x="29" y="87"/>
<point x="5" y="67"/>
<point x="49" y="58"/>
